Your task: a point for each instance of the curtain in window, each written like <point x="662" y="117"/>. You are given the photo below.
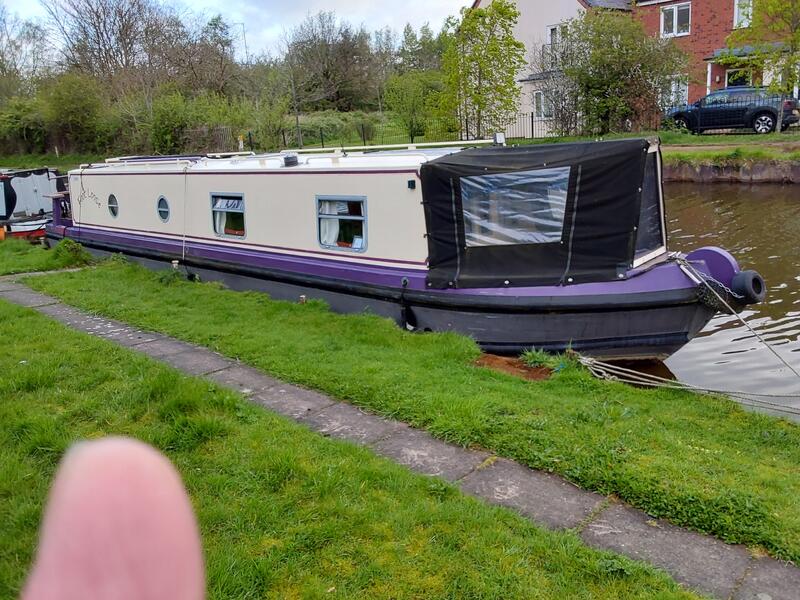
<point x="220" y="218"/>
<point x="328" y="228"/>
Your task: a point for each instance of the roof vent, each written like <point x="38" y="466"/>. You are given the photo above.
<point x="290" y="160"/>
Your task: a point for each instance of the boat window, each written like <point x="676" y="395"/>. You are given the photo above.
<point x="113" y="205"/>
<point x="163" y="209"/>
<point x="342" y="223"/>
<point x="650" y="230"/>
<point x="524" y="207"/>
<point x="228" y="214"/>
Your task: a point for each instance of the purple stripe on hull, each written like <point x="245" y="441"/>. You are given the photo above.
<point x="664" y="277"/>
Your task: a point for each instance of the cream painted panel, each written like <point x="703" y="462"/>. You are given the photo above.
<point x="137" y="197"/>
<point x="280" y="210"/>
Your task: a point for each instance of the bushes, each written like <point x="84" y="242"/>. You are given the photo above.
<point x="169" y="124"/>
<point x="22" y="127"/>
<point x="72" y="108"/>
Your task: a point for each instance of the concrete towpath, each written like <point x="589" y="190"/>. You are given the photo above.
<point x="699" y="562"/>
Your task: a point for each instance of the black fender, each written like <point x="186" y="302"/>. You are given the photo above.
<point x="750" y="286"/>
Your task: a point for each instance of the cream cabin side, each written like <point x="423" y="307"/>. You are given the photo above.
<point x="349" y="216"/>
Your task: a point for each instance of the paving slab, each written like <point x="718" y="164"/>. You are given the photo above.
<point x="347" y="422"/>
<point x="292" y="401"/>
<point x="164" y="347"/>
<point x="27" y="297"/>
<point x="245" y="380"/>
<point x="424" y="454"/>
<point x="769" y="579"/>
<point x="547" y="499"/>
<point x="62" y="313"/>
<point x="198" y="361"/>
<point x="8" y="285"/>
<point x="698" y="561"/>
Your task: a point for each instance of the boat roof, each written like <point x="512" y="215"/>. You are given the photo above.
<point x="361" y="158"/>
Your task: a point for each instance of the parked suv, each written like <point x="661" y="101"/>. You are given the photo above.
<point x="740" y="107"/>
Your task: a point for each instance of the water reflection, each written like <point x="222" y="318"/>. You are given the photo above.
<point x="760" y="226"/>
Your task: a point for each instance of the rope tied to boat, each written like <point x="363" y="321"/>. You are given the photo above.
<point x="611" y="372"/>
<point x="702" y="279"/>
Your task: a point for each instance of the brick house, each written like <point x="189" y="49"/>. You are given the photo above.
<point x="700" y="28"/>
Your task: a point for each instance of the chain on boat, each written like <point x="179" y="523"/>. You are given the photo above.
<point x="603" y="370"/>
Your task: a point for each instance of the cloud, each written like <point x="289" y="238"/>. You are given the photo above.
<point x="265" y="22"/>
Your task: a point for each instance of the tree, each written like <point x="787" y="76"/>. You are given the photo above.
<point x="408" y="96"/>
<point x="23" y="54"/>
<point x="408" y="53"/>
<point x="772" y="43"/>
<point x="616" y="73"/>
<point x="384" y="57"/>
<point x="481" y="64"/>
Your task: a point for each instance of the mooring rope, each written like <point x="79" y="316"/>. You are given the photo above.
<point x="603" y="370"/>
<point x="694" y="274"/>
<point x="607" y="371"/>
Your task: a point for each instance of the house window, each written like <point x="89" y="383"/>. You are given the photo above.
<point x="676" y="20"/>
<point x="542" y="106"/>
<point x="162" y="208"/>
<point x="522" y="207"/>
<point x="738" y="77"/>
<point x="113" y="205"/>
<point x="227" y="211"/>
<point x="341" y="222"/>
<point x="742" y="13"/>
<point x="677" y="94"/>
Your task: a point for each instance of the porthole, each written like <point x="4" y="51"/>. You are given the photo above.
<point x="163" y="209"/>
<point x="113" y="205"/>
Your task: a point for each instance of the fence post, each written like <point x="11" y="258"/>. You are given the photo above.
<point x="363" y="134"/>
<point x="250" y="140"/>
<point x="283" y="132"/>
<point x="322" y="136"/>
<point x="533" y="121"/>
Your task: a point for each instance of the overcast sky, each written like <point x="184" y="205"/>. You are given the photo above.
<point x="265" y="20"/>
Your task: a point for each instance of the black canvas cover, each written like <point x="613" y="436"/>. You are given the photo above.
<point x="533" y="215"/>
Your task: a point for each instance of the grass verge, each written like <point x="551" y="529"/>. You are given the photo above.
<point x="682" y="138"/>
<point x="734" y="157"/>
<point x="698" y="461"/>
<point x="20" y="256"/>
<point x="283" y="512"/>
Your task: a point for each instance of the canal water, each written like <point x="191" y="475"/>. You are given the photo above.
<point x="760" y="226"/>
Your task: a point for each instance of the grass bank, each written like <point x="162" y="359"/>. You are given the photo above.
<point x="698" y="461"/>
<point x="20" y="256"/>
<point x="283" y="512"/>
<point x="63" y="162"/>
<point x="682" y="138"/>
<point x="730" y="157"/>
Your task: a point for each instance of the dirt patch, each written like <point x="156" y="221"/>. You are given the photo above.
<point x="513" y="366"/>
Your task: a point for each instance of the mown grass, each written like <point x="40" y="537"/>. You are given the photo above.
<point x="682" y="138"/>
<point x="283" y="512"/>
<point x="698" y="461"/>
<point x="734" y="157"/>
<point x="20" y="256"/>
<point x="63" y="161"/>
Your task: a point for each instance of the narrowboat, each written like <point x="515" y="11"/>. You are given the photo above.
<point x="27" y="201"/>
<point x="550" y="246"/>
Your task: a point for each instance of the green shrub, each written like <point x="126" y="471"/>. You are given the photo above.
<point x="22" y="126"/>
<point x="171" y="118"/>
<point x="73" y="110"/>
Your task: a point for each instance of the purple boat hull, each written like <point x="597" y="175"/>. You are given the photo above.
<point x="649" y="314"/>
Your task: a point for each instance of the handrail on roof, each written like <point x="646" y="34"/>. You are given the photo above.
<point x="339" y="149"/>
